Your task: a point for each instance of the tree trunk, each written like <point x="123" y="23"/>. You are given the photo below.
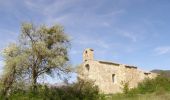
<point x="34" y="79"/>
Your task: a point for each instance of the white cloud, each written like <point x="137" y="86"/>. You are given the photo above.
<point x="114" y="13"/>
<point x="130" y="35"/>
<point x="51" y="8"/>
<point x="7" y="37"/>
<point x="91" y="41"/>
<point x="127" y="34"/>
<point x="106" y="24"/>
<point x="75" y="52"/>
<point x="73" y="12"/>
<point x="83" y="41"/>
<point x="5" y="31"/>
<point x="162" y="50"/>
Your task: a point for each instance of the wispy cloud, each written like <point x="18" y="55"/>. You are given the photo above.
<point x="8" y="37"/>
<point x="130" y="35"/>
<point x="86" y="40"/>
<point x="127" y="34"/>
<point x="8" y="32"/>
<point x="55" y="11"/>
<point x="50" y="8"/>
<point x="66" y="11"/>
<point x="83" y="41"/>
<point x="162" y="50"/>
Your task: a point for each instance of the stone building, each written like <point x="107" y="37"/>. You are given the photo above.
<point x="110" y="76"/>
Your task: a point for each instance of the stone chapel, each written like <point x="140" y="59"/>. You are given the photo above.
<point x="110" y="76"/>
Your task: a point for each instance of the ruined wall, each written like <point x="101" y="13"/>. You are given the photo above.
<point x="102" y="72"/>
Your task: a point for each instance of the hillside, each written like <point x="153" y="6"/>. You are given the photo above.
<point x="165" y="73"/>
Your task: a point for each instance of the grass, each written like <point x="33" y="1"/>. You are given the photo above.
<point x="149" y="89"/>
<point x="152" y="96"/>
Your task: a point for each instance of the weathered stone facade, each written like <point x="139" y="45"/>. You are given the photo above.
<point x="109" y="76"/>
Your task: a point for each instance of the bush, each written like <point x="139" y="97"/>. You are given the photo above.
<point x="159" y="84"/>
<point x="126" y="88"/>
<point x="82" y="90"/>
<point x="149" y="88"/>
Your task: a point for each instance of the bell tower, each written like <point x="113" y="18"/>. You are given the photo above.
<point x="88" y="54"/>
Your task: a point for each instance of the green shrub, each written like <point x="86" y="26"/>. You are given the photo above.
<point x="82" y="90"/>
<point x="159" y="84"/>
<point x="126" y="88"/>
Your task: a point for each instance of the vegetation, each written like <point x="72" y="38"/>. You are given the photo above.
<point x="44" y="50"/>
<point x="164" y="73"/>
<point x="149" y="89"/>
<point x="152" y="96"/>
<point x="125" y="87"/>
<point x="82" y="90"/>
<point x="159" y="84"/>
<point x="40" y="50"/>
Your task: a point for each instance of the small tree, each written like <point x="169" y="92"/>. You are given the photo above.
<point x="41" y="50"/>
<point x="12" y="68"/>
<point x="125" y="87"/>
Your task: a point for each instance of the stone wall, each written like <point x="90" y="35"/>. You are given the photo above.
<point x="102" y="73"/>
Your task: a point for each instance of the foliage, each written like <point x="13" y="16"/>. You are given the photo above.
<point x="12" y="68"/>
<point x="152" y="89"/>
<point x="158" y="88"/>
<point x="81" y="90"/>
<point x="165" y="96"/>
<point x="40" y="50"/>
<point x="125" y="87"/>
<point x="158" y="85"/>
<point x="164" y="73"/>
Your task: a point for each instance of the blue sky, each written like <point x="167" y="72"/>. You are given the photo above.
<point x="135" y="32"/>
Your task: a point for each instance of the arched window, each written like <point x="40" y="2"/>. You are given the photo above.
<point x="87" y="67"/>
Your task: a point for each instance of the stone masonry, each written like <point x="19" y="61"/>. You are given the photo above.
<point x="109" y="76"/>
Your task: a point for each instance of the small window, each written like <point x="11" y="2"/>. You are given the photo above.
<point x="86" y="51"/>
<point x="113" y="78"/>
<point x="147" y="73"/>
<point x="87" y="67"/>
